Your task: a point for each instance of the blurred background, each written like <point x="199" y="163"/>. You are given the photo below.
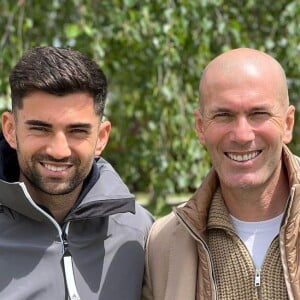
<point x="153" y="53"/>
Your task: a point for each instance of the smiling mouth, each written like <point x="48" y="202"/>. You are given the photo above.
<point x="242" y="157"/>
<point x="55" y="168"/>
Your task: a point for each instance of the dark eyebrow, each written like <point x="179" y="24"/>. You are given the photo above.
<point x="80" y="125"/>
<point x="37" y="123"/>
<point x="45" y="124"/>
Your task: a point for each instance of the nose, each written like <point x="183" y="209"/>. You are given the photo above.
<point x="58" y="146"/>
<point x="242" y="131"/>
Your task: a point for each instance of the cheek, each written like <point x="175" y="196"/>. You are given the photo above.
<point x="214" y="133"/>
<point x="273" y="130"/>
<point x="85" y="149"/>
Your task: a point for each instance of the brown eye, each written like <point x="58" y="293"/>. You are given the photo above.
<point x="260" y="115"/>
<point x="39" y="128"/>
<point x="223" y="117"/>
<point x="79" y="132"/>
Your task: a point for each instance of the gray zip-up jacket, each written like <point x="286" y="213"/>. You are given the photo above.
<point x="98" y="253"/>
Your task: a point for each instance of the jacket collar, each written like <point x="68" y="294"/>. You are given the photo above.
<point x="219" y="216"/>
<point x="109" y="195"/>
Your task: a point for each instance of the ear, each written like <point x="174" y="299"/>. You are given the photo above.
<point x="103" y="136"/>
<point x="289" y="124"/>
<point x="9" y="129"/>
<point x="199" y="126"/>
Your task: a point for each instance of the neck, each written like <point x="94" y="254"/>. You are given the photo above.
<point x="59" y="208"/>
<point x="258" y="203"/>
<point x="58" y="205"/>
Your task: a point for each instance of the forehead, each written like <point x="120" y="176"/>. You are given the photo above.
<point x="241" y="99"/>
<point x="52" y="108"/>
<point x="245" y="92"/>
<point x="243" y="77"/>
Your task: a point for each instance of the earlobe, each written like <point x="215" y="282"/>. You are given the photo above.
<point x="9" y="129"/>
<point x="103" y="137"/>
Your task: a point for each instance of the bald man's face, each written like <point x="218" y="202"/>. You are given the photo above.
<point x="244" y="122"/>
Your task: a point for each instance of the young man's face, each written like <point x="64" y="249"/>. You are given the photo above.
<point x="56" y="138"/>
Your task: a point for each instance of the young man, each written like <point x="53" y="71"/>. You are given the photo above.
<point x="70" y="229"/>
<point x="238" y="236"/>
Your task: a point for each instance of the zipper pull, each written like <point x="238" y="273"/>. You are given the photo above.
<point x="69" y="275"/>
<point x="257" y="278"/>
<point x="68" y="271"/>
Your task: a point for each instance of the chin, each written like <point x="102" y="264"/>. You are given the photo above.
<point x="237" y="183"/>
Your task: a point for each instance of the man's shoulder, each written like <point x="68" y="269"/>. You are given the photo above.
<point x="166" y="230"/>
<point x="140" y="221"/>
<point x="164" y="224"/>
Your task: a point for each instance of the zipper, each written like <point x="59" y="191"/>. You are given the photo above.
<point x="68" y="267"/>
<point x="202" y="242"/>
<point x="257" y="283"/>
<point x="257" y="278"/>
<point x="257" y="274"/>
<point x="67" y="257"/>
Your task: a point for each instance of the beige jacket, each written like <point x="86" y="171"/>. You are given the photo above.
<point x="171" y="257"/>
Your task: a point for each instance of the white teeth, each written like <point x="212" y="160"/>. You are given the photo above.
<point x="243" y="157"/>
<point x="55" y="168"/>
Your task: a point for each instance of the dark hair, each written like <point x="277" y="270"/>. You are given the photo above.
<point x="57" y="71"/>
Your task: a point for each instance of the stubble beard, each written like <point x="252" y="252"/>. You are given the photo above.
<point x="54" y="186"/>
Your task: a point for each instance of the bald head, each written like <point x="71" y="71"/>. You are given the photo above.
<point x="243" y="67"/>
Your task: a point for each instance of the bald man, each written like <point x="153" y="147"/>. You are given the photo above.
<point x="238" y="235"/>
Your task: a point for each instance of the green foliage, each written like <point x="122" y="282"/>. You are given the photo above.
<point x="153" y="52"/>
